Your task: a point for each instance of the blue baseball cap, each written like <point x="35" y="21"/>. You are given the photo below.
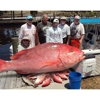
<point x="29" y="17"/>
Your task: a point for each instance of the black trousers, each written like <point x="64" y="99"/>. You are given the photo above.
<point x="65" y="40"/>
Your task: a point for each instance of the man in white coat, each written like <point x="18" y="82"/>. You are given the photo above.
<point x="54" y="33"/>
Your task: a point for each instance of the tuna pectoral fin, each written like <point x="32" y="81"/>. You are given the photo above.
<point x="15" y="56"/>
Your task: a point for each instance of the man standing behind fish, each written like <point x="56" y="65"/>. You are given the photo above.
<point x="77" y="32"/>
<point x="54" y="33"/>
<point x="65" y="30"/>
<point x="29" y="30"/>
<point x="42" y="28"/>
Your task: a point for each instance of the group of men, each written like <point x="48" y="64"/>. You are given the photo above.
<point x="56" y="32"/>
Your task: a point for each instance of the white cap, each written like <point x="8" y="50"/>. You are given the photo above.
<point x="25" y="38"/>
<point x="64" y="18"/>
<point x="56" y="21"/>
<point x="77" y="17"/>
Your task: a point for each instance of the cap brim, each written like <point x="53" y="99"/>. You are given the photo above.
<point x="77" y="18"/>
<point x="63" y="19"/>
<point x="30" y="18"/>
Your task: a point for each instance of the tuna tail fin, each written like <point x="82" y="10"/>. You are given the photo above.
<point x="2" y="63"/>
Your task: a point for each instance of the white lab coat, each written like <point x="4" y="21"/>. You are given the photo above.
<point x="54" y="35"/>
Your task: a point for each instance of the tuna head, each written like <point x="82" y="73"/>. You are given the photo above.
<point x="70" y="56"/>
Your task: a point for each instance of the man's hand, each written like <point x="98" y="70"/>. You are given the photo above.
<point x="80" y="41"/>
<point x="38" y="43"/>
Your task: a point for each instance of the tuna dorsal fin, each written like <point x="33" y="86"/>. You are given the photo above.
<point x="15" y="56"/>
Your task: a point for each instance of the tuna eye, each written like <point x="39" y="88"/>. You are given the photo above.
<point x="71" y="50"/>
